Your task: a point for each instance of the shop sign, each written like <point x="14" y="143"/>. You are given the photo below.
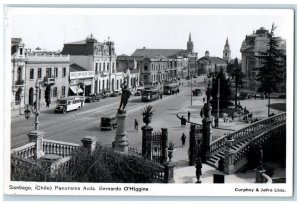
<point x="82" y="74"/>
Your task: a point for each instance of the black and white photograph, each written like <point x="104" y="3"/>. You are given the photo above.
<point x="124" y="101"/>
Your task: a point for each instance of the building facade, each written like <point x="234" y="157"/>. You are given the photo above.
<point x="251" y="47"/>
<point x="18" y="73"/>
<point x="51" y="71"/>
<point x="95" y="56"/>
<point x="208" y="64"/>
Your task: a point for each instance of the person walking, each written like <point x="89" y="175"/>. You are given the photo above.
<point x="189" y="115"/>
<point x="198" y="167"/>
<point x="183" y="137"/>
<point x="136" y="125"/>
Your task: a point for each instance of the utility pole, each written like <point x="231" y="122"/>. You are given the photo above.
<point x="218" y="95"/>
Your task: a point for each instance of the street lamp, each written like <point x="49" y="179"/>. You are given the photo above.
<point x="36" y="109"/>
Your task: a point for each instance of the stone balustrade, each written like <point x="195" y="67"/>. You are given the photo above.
<point x="26" y="151"/>
<point x="61" y="165"/>
<point x="248" y="132"/>
<point x="238" y="157"/>
<point x="59" y="148"/>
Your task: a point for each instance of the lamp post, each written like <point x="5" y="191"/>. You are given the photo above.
<point x="36" y="109"/>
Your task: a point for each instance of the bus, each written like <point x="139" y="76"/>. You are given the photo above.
<point x="171" y="88"/>
<point x="149" y="94"/>
<point x="69" y="103"/>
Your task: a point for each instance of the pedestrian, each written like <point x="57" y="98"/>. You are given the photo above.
<point x="201" y="113"/>
<point x="224" y="117"/>
<point x="198" y="167"/>
<point x="47" y="103"/>
<point x="255" y="96"/>
<point x="136" y="125"/>
<point x="232" y="116"/>
<point x="183" y="137"/>
<point x="189" y="115"/>
<point x="221" y="164"/>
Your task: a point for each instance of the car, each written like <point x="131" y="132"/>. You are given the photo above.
<point x="138" y="93"/>
<point x="194" y="76"/>
<point x="108" y="123"/>
<point x="93" y="97"/>
<point x="197" y="92"/>
<point x="115" y="94"/>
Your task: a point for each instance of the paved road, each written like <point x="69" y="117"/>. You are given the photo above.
<point x="73" y="126"/>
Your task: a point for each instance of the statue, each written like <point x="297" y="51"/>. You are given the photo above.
<point x="125" y="96"/>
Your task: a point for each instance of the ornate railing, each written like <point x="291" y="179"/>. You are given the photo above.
<point x="62" y="149"/>
<point x="26" y="151"/>
<point x="248" y="132"/>
<point x="60" y="166"/>
<point x="237" y="158"/>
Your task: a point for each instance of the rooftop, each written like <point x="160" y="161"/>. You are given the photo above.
<point x="153" y="53"/>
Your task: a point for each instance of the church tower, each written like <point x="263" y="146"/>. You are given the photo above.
<point x="190" y="45"/>
<point x="227" y="51"/>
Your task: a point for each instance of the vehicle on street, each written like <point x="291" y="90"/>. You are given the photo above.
<point x="171" y="88"/>
<point x="68" y="104"/>
<point x="108" y="123"/>
<point x="93" y="98"/>
<point x="138" y="93"/>
<point x="149" y="94"/>
<point x="197" y="92"/>
<point x="115" y="94"/>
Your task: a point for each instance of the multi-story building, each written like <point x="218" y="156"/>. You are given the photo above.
<point x="227" y="52"/>
<point x="51" y="70"/>
<point x="127" y="68"/>
<point x="18" y="73"/>
<point x="251" y="47"/>
<point x="95" y="56"/>
<point x="208" y="64"/>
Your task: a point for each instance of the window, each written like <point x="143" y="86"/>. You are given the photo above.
<point x="99" y="67"/>
<point x="113" y="67"/>
<point x="21" y="51"/>
<point x="31" y="74"/>
<point x="96" y="68"/>
<point x="145" y="77"/>
<point x="64" y="72"/>
<point x="107" y="66"/>
<point x="146" y="67"/>
<point x="39" y="73"/>
<point x="63" y="90"/>
<point x="48" y="72"/>
<point x="55" y="72"/>
<point x="103" y="82"/>
<point x="55" y="92"/>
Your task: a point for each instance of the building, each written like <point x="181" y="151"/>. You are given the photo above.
<point x="252" y="46"/>
<point x="95" y="56"/>
<point x="208" y="64"/>
<point x="128" y="72"/>
<point x="227" y="52"/>
<point x="80" y="80"/>
<point x="51" y="71"/>
<point x="18" y="73"/>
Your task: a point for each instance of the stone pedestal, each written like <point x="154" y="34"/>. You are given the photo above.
<point x="228" y="157"/>
<point x="207" y="131"/>
<point x="37" y="138"/>
<point x="169" y="172"/>
<point x="89" y="143"/>
<point x="147" y="141"/>
<point x="121" y="140"/>
<point x="259" y="178"/>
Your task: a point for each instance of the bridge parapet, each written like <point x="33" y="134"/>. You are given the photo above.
<point x="247" y="133"/>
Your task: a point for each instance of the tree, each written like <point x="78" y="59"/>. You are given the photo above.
<point x="225" y="89"/>
<point x="271" y="72"/>
<point x="234" y="70"/>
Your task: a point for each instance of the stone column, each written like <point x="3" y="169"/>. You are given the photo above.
<point x="121" y="143"/>
<point x="37" y="138"/>
<point x="207" y="131"/>
<point x="164" y="135"/>
<point x="89" y="142"/>
<point x="147" y="141"/>
<point x="169" y="172"/>
<point x="228" y="157"/>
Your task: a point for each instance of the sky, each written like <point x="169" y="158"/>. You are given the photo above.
<point x="131" y="29"/>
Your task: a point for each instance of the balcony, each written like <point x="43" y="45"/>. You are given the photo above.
<point x="20" y="82"/>
<point x="49" y="80"/>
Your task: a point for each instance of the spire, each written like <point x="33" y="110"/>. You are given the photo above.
<point x="190" y="38"/>
<point x="227" y="42"/>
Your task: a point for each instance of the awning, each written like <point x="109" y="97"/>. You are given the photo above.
<point x="79" y="90"/>
<point x="74" y="89"/>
